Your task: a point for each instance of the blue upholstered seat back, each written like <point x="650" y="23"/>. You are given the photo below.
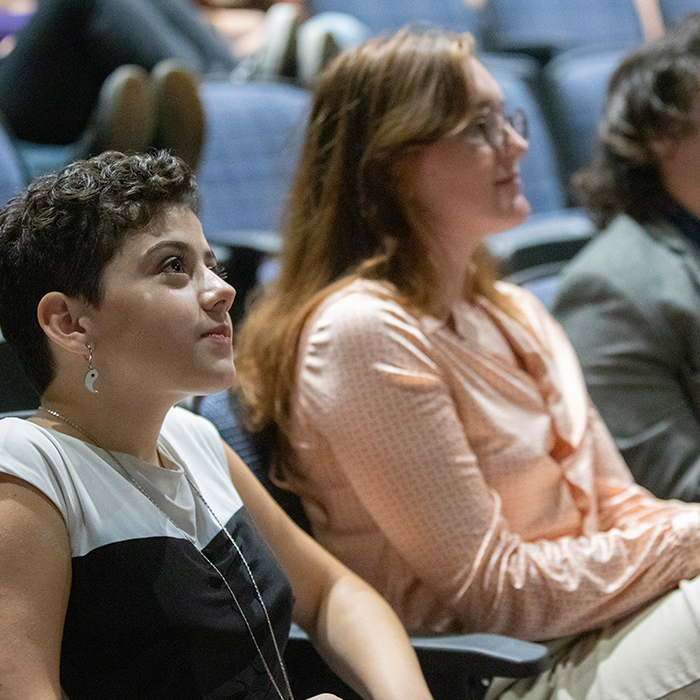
<point x="577" y="81"/>
<point x="534" y="254"/>
<point x="391" y="15"/>
<point x="672" y="11"/>
<point x="547" y="27"/>
<point x="253" y="136"/>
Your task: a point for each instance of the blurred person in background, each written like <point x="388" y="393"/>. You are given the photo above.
<point x="630" y="302"/>
<point x="111" y="74"/>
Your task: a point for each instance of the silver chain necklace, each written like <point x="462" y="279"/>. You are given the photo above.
<point x="199" y="494"/>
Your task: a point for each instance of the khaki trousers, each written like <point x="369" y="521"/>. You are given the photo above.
<point x="650" y="655"/>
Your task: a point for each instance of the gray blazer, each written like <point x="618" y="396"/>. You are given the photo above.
<point x="630" y="303"/>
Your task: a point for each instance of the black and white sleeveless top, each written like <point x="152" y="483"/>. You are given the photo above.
<point x="147" y="616"/>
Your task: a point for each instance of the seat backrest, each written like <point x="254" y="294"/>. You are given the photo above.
<point x="673" y="11"/>
<point x="518" y="77"/>
<point x="390" y="15"/>
<point x="576" y="83"/>
<point x="225" y="411"/>
<point x="16" y="393"/>
<point x="254" y="133"/>
<point x="533" y="255"/>
<point x="251" y="150"/>
<point x="547" y="27"/>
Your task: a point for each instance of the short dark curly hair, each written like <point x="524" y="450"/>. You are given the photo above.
<point x="649" y="97"/>
<point x="60" y="233"/>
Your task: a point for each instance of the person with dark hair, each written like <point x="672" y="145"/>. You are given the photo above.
<point x="630" y="302"/>
<point x="434" y="421"/>
<point x="139" y="558"/>
<point x="79" y="72"/>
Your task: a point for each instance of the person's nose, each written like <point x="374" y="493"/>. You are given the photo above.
<point x="218" y="293"/>
<point x="515" y="145"/>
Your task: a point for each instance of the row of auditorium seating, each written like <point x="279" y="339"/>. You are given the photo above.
<point x="245" y="174"/>
<point x="251" y="141"/>
<point x="254" y="134"/>
<point x="246" y="169"/>
<point x="255" y="129"/>
<point x="554" y="59"/>
<point x="542" y="28"/>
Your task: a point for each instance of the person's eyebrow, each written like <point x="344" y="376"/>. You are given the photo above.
<point x="178" y="246"/>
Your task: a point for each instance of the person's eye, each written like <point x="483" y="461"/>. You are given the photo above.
<point x="484" y="127"/>
<point x="478" y="129"/>
<point x="174" y="264"/>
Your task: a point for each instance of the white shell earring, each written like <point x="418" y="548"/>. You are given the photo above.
<point x="92" y="374"/>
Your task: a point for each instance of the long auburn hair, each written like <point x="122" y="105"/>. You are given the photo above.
<point x="372" y="107"/>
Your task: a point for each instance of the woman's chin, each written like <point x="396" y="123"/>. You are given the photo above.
<point x="520" y="213"/>
<point x="221" y="381"/>
<point x="522" y="209"/>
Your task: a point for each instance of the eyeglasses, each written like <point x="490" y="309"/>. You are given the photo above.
<point x="490" y="127"/>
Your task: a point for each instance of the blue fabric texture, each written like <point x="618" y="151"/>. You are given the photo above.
<point x="390" y="15"/>
<point x="250" y="153"/>
<point x="576" y="82"/>
<point x="509" y="25"/>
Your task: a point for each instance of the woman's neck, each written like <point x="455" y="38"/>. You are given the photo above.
<point x="129" y="427"/>
<point x="450" y="249"/>
<point x="450" y="278"/>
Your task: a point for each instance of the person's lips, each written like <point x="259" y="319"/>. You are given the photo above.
<point x="512" y="178"/>
<point x="220" y="333"/>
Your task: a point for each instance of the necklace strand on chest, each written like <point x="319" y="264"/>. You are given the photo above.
<point x="125" y="473"/>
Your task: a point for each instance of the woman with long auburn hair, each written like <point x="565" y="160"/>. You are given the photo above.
<point x="345" y="217"/>
<point x="433" y="420"/>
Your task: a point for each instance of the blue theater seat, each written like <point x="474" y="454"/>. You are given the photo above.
<point x="576" y="83"/>
<point x="547" y="27"/>
<point x="672" y="11"/>
<point x="390" y="15"/>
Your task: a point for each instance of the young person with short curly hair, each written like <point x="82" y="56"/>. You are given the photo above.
<point x="139" y="558"/>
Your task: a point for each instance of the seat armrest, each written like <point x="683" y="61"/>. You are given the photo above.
<point x="475" y="655"/>
<point x="484" y="655"/>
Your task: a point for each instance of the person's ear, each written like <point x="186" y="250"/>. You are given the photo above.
<point x="60" y="316"/>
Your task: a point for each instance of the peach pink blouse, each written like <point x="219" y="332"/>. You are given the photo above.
<point x="467" y="476"/>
